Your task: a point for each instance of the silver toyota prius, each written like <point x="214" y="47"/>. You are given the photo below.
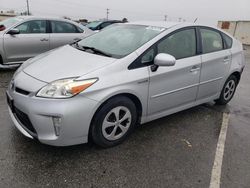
<point x="103" y="86"/>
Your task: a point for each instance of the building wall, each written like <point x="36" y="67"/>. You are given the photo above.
<point x="3" y="17"/>
<point x="238" y="29"/>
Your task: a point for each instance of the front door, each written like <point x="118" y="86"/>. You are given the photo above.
<point x="31" y="41"/>
<point x="172" y="88"/>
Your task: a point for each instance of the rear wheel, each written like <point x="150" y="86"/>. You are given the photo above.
<point x="114" y="122"/>
<point x="228" y="90"/>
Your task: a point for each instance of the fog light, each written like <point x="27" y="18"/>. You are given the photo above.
<point x="57" y="125"/>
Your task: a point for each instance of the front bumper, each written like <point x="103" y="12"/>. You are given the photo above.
<point x="75" y="114"/>
<point x="19" y="126"/>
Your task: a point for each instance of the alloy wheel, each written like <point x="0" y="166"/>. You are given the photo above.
<point x="116" y="123"/>
<point x="229" y="89"/>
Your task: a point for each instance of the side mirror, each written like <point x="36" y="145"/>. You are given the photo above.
<point x="163" y="60"/>
<point x="14" y="31"/>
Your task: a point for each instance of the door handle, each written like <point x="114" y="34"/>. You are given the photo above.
<point x="226" y="59"/>
<point x="44" y="40"/>
<point x="76" y="39"/>
<point x="195" y="69"/>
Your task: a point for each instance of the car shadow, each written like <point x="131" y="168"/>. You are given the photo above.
<point x="166" y="123"/>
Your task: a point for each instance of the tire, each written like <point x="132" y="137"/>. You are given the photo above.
<point x="109" y="129"/>
<point x="1" y="59"/>
<point x="228" y="91"/>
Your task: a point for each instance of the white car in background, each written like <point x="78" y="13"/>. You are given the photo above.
<point x="24" y="37"/>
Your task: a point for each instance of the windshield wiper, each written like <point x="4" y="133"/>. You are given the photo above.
<point x="97" y="51"/>
<point x="94" y="50"/>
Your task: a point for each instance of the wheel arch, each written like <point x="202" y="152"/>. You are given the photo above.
<point x="237" y="74"/>
<point x="132" y="97"/>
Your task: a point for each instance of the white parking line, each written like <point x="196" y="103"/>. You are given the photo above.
<point x="216" y="172"/>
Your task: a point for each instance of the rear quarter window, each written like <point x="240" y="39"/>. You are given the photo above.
<point x="228" y="41"/>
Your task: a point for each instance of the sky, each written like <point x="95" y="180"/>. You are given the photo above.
<point x="207" y="11"/>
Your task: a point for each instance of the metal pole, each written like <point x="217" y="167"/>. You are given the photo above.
<point x="28" y="7"/>
<point x="107" y="13"/>
<point x="165" y="17"/>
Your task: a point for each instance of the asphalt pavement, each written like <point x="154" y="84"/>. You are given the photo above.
<point x="175" y="151"/>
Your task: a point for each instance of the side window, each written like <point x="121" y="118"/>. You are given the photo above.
<point x="148" y="57"/>
<point x="34" y="26"/>
<point x="63" y="27"/>
<point x="80" y="30"/>
<point x="181" y="44"/>
<point x="211" y="41"/>
<point x="228" y="41"/>
<point x="144" y="60"/>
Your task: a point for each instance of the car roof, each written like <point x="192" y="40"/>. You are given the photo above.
<point x="104" y="21"/>
<point x="43" y="18"/>
<point x="112" y="21"/>
<point x="160" y="24"/>
<point x="168" y="25"/>
<point x="49" y="18"/>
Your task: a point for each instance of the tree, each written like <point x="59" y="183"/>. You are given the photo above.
<point x="125" y="20"/>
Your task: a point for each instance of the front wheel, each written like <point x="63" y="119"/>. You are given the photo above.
<point x="228" y="90"/>
<point x="114" y="122"/>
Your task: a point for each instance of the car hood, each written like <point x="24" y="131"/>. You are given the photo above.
<point x="64" y="62"/>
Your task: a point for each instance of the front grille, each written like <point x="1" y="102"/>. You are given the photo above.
<point x="25" y="121"/>
<point x="21" y="91"/>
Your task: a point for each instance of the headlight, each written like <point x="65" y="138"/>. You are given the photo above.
<point x="65" y="88"/>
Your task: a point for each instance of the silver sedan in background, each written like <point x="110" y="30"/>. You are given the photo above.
<point x="24" y="37"/>
<point x="104" y="85"/>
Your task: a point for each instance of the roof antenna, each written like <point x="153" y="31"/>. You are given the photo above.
<point x="195" y="20"/>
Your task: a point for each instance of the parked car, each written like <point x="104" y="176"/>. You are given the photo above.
<point x="26" y="36"/>
<point x="99" y="25"/>
<point x="83" y="23"/>
<point x="128" y="74"/>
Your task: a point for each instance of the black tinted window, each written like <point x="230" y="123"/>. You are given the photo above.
<point x="180" y="44"/>
<point x="105" y="25"/>
<point x="63" y="27"/>
<point x="34" y="26"/>
<point x="211" y="41"/>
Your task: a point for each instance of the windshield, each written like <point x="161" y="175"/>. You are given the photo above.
<point x="9" y="22"/>
<point x="120" y="40"/>
<point x="93" y="24"/>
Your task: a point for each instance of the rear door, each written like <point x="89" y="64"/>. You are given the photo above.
<point x="175" y="87"/>
<point x="31" y="41"/>
<point x="64" y="33"/>
<point x="216" y="60"/>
